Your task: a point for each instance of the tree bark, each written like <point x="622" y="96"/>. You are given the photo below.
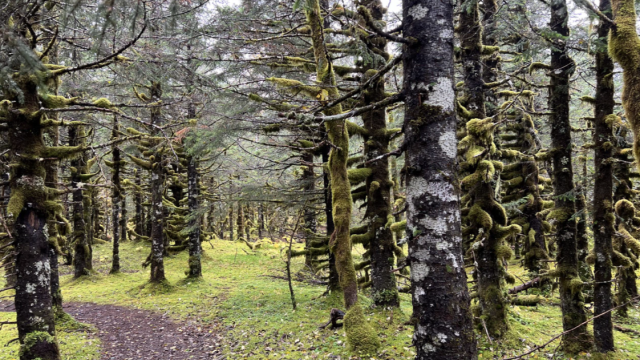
<point x="116" y="200"/>
<point x="440" y="296"/>
<point x="36" y="324"/>
<point x="604" y="219"/>
<point x="157" y="193"/>
<point x="195" y="250"/>
<point x="573" y="312"/>
<point x="360" y="336"/>
<point x="383" y="281"/>
<point x="80" y="246"/>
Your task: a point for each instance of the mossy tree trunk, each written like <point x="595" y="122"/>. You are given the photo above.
<point x="28" y="208"/>
<point x="334" y="279"/>
<point x="157" y="193"/>
<point x="231" y="221"/>
<point x="491" y="63"/>
<point x="240" y="222"/>
<point x="562" y="66"/>
<point x="360" y="336"/>
<point x="624" y="48"/>
<point x="438" y="281"/>
<point x="260" y="221"/>
<point x="34" y="314"/>
<point x="81" y="249"/>
<point x="472" y="66"/>
<point x="195" y="250"/>
<point x="310" y="221"/>
<point x="139" y="217"/>
<point x="123" y="215"/>
<point x="116" y="199"/>
<point x="378" y="213"/>
<point x="604" y="219"/>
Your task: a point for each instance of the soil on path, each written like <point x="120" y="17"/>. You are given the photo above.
<point x="133" y="334"/>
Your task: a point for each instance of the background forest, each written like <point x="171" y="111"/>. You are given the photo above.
<point x="319" y="179"/>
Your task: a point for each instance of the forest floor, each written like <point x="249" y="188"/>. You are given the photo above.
<point x="241" y="309"/>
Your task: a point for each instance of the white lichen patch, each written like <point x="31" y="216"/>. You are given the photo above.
<point x="419" y="292"/>
<point x="441" y="190"/>
<point x="31" y="288"/>
<point x="441" y="94"/>
<point x="441" y="337"/>
<point x="419" y="271"/>
<point x="448" y="143"/>
<point x="438" y="225"/>
<point x="418" y="12"/>
<point x="446" y="34"/>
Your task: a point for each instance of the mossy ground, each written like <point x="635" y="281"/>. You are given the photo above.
<point x="256" y="311"/>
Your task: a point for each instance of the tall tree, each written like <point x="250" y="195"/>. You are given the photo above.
<point x="561" y="69"/>
<point x="603" y="227"/>
<point x="360" y="336"/>
<point x="438" y="280"/>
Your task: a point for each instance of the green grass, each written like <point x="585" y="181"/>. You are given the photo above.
<point x="239" y="292"/>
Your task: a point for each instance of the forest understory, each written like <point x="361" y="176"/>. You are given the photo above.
<point x="248" y="310"/>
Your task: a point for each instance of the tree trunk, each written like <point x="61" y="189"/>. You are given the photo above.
<point x="378" y="214"/>
<point x="195" y="250"/>
<point x="80" y="246"/>
<point x="240" y="222"/>
<point x="603" y="225"/>
<point x="231" y="224"/>
<point x="139" y="217"/>
<point x="310" y="222"/>
<point x="360" y="336"/>
<point x="573" y="312"/>
<point x="334" y="279"/>
<point x="157" y="191"/>
<point x="260" y="220"/>
<point x="438" y="281"/>
<point x="471" y="48"/>
<point x="116" y="200"/>
<point x="36" y="325"/>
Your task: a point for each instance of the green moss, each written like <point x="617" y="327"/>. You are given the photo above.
<point x="355" y="129"/>
<point x="527" y="300"/>
<point x="361" y="338"/>
<point x="34" y="338"/>
<point x="538" y="66"/>
<point x="271" y="128"/>
<point x="56" y="101"/>
<point x="480" y="217"/>
<point x="625" y="209"/>
<point x="356" y="176"/>
<point x="489" y="50"/>
<point x="560" y="215"/>
<point x="296" y="87"/>
<point x="399" y="226"/>
<point x="588" y="99"/>
<point x="103" y="103"/>
<point x="504" y="252"/>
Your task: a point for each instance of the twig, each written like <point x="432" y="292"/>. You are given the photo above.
<point x="484" y="324"/>
<point x="293" y="296"/>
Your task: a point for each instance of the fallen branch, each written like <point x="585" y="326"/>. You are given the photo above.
<point x="626" y="330"/>
<point x="525" y="286"/>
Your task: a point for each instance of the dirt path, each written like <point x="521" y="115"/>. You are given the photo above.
<point x="132" y="334"/>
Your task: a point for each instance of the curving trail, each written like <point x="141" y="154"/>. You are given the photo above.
<point x="133" y="334"/>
